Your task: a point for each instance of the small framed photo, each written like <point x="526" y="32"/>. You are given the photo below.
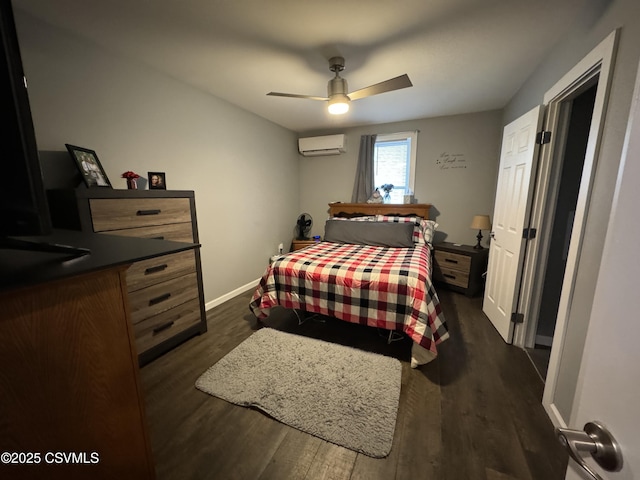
<point x="90" y="168"/>
<point x="157" y="181"/>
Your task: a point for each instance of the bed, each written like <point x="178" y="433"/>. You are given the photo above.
<point x="373" y="268"/>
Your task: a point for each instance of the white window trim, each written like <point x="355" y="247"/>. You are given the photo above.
<point x="413" y="136"/>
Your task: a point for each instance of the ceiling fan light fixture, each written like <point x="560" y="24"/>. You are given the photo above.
<point x="338" y="96"/>
<point x="338" y="104"/>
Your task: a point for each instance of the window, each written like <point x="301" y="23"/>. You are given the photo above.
<point x="394" y="162"/>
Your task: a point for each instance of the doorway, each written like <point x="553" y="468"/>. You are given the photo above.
<point x="578" y="115"/>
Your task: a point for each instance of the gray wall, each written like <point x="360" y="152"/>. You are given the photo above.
<point x="243" y="169"/>
<point x="458" y="190"/>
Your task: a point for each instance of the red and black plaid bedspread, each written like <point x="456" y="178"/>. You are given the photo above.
<point x="381" y="287"/>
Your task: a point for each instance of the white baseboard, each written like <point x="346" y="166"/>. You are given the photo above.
<point x="544" y="340"/>
<point x="228" y="296"/>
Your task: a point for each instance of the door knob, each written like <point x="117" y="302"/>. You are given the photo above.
<point x="492" y="235"/>
<point x="596" y="440"/>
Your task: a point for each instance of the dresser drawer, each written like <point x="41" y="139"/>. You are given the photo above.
<point x="117" y="214"/>
<point x="160" y="269"/>
<point x="176" y="232"/>
<point x="453" y="261"/>
<point x="299" y="244"/>
<point x="156" y="299"/>
<point x="451" y="276"/>
<point x="161" y="327"/>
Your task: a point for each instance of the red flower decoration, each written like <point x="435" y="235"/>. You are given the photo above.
<point x="130" y="174"/>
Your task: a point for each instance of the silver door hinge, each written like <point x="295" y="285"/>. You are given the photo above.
<point x="543" y="137"/>
<point x="517" y="317"/>
<point x="529" y="233"/>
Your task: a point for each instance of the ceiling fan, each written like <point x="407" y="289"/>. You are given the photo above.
<point x="337" y="95"/>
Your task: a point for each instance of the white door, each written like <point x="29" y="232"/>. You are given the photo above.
<point x="511" y="212"/>
<point x="609" y="381"/>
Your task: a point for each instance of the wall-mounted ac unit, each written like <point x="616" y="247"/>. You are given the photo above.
<point x="325" y="145"/>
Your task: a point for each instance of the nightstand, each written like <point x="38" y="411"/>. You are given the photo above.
<point x="460" y="267"/>
<point x="297" y="244"/>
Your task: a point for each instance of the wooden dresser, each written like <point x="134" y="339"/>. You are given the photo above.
<point x="70" y="379"/>
<point x="165" y="293"/>
<point x="460" y="267"/>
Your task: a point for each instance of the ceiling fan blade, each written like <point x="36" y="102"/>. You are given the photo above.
<point x="295" y="95"/>
<point x="387" y="86"/>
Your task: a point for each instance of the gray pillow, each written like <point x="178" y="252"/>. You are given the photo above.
<point x="381" y="234"/>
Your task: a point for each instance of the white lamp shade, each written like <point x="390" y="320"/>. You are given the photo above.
<point x="481" y="222"/>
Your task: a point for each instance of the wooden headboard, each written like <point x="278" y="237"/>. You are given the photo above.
<point x="339" y="209"/>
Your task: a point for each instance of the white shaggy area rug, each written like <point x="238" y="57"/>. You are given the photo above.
<point x="340" y="394"/>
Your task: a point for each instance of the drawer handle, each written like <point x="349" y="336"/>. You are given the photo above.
<point x="450" y="261"/>
<point x="449" y="276"/>
<point x="157" y="268"/>
<point x="148" y="212"/>
<point x="163" y="327"/>
<point x="161" y="237"/>
<point x="161" y="298"/>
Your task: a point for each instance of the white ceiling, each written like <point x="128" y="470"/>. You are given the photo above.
<point x="461" y="55"/>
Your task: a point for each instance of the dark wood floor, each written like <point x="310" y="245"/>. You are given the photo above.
<point x="474" y="413"/>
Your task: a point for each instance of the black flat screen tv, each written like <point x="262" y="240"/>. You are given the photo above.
<point x="23" y="201"/>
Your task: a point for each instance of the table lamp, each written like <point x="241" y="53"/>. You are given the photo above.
<point x="480" y="222"/>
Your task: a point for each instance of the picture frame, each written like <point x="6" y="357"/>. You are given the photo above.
<point x="157" y="181"/>
<point x="89" y="166"/>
